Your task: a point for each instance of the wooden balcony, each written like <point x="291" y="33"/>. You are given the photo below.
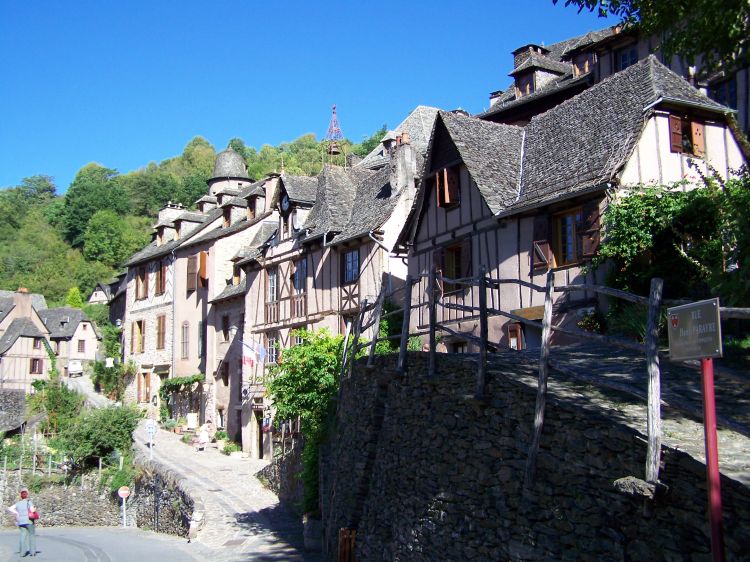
<point x="299" y="306"/>
<point x="272" y="312"/>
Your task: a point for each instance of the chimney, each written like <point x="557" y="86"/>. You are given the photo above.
<point x="22" y="300"/>
<point x="403" y="164"/>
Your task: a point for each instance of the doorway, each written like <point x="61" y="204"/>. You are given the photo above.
<point x="259" y="425"/>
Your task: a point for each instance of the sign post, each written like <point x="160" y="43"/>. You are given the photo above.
<point x="124" y="492"/>
<point x="695" y="333"/>
<point x="151" y="430"/>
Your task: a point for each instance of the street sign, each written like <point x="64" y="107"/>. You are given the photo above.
<point x="123" y="492"/>
<point x="694" y="330"/>
<point x="151" y="427"/>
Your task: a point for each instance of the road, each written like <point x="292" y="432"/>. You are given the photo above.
<point x="103" y="544"/>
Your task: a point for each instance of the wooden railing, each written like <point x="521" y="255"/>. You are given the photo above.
<point x="372" y="312"/>
<point x="272" y="312"/>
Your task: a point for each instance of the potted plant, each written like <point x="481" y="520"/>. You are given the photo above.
<point x="181" y="423"/>
<point x="220" y="437"/>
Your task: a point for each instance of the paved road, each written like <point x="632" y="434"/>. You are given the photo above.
<point x="243" y="519"/>
<point x="103" y="544"/>
<point x="85" y="386"/>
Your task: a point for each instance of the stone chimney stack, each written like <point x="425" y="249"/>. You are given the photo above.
<point x="22" y="300"/>
<point x="170" y="211"/>
<point x="403" y="164"/>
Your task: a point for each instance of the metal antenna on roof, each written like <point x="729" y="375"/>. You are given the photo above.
<point x="333" y="135"/>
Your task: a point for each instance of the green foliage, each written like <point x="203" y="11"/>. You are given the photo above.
<point x="231" y="447"/>
<point x="104" y="239"/>
<point x="593" y="322"/>
<point x="175" y="384"/>
<point x="221" y="435"/>
<point x="369" y="143"/>
<point x="696" y="240"/>
<point x="714" y="31"/>
<point x="112" y="380"/>
<point x="60" y="404"/>
<point x="74" y="298"/>
<point x="100" y="432"/>
<point x="305" y="384"/>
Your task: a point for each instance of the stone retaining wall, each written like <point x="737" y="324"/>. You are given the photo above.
<point x="165" y="502"/>
<point x="425" y="472"/>
<point x="282" y="475"/>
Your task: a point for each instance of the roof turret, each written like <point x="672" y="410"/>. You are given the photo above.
<point x="229" y="164"/>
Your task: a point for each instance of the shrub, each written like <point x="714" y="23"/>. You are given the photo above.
<point x="221" y="435"/>
<point x="100" y="432"/>
<point x="231" y="447"/>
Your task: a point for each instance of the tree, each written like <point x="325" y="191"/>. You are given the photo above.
<point x="74" y="299"/>
<point x="717" y="31"/>
<point x="100" y="432"/>
<point x="369" y="143"/>
<point x="104" y="238"/>
<point x="92" y="190"/>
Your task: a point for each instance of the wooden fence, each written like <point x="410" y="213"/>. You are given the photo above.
<point x="372" y="312"/>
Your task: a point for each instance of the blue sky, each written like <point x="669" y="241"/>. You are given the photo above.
<point x="123" y="83"/>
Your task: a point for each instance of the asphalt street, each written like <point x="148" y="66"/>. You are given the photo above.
<point x="103" y="544"/>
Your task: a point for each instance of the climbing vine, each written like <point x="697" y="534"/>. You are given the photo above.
<point x="176" y="384"/>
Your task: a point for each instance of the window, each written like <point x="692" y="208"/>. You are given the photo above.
<point x="227" y="217"/>
<point x="161" y="278"/>
<point x="272" y="287"/>
<point x="251" y="208"/>
<point x="686" y="136"/>
<point x="299" y="277"/>
<point x="81" y="346"/>
<point x="448" y="187"/>
<point x="225" y="328"/>
<point x="272" y="342"/>
<point x="515" y="337"/>
<point x="141" y="283"/>
<point x="137" y="336"/>
<point x="568" y="237"/>
<point x="197" y="271"/>
<point x="298" y="336"/>
<point x="525" y="85"/>
<point x="36" y="366"/>
<point x="350" y="266"/>
<point x="566" y="242"/>
<point x="625" y="57"/>
<point x="583" y="64"/>
<point x="726" y="92"/>
<point x="185" y="340"/>
<point x="458" y="347"/>
<point x="236" y="274"/>
<point x="37" y="343"/>
<point x="454" y="262"/>
<point x="161" y="329"/>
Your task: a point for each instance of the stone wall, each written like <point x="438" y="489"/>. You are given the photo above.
<point x="163" y="501"/>
<point x="73" y="505"/>
<point x="282" y="475"/>
<point x="425" y="472"/>
<point x="12" y="408"/>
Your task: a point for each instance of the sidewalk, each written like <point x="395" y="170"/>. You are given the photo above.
<point x="243" y="519"/>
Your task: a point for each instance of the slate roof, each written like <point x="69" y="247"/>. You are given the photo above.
<point x="585" y="140"/>
<point x="12" y="409"/>
<point x="62" y="322"/>
<point x="255" y="188"/>
<point x="373" y="204"/>
<point x="220" y="232"/>
<point x="191" y="216"/>
<point x="543" y="62"/>
<point x="231" y="291"/>
<point x="419" y="126"/>
<point x="255" y="249"/>
<point x="20" y="327"/>
<point x="207" y="199"/>
<point x="229" y="164"/>
<point x="492" y="154"/>
<point x="234" y="202"/>
<point x="6" y="305"/>
<point x="37" y="301"/>
<point x="300" y="188"/>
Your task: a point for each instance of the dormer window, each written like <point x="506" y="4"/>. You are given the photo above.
<point x="525" y="85"/>
<point x="236" y="274"/>
<point x="251" y="208"/>
<point x="686" y="136"/>
<point x="177" y="227"/>
<point x="227" y="217"/>
<point x="583" y="63"/>
<point x="448" y="187"/>
<point x="160" y="236"/>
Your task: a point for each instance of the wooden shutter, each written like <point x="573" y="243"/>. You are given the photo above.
<point x="160" y="325"/>
<point x="203" y="267"/>
<point x="142" y="337"/>
<point x="132" y="337"/>
<point x="675" y="133"/>
<point x="452" y="185"/>
<point x="145" y="282"/>
<point x="591" y="229"/>
<point x="139" y="377"/>
<point x="466" y="261"/>
<point x="192" y="273"/>
<point x="699" y="141"/>
<point x="541" y="249"/>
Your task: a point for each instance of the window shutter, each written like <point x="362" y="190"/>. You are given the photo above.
<point x="699" y="142"/>
<point x="675" y="133"/>
<point x="452" y="185"/>
<point x="203" y="268"/>
<point x="192" y="273"/>
<point x="541" y="249"/>
<point x="132" y="337"/>
<point x="591" y="229"/>
<point x="466" y="261"/>
<point x="145" y="282"/>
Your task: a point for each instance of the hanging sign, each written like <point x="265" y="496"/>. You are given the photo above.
<point x="694" y="330"/>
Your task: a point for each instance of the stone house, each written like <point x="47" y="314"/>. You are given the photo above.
<point x="74" y="338"/>
<point x="524" y="200"/>
<point x="544" y="76"/>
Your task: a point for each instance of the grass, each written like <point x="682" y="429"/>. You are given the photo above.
<point x="736" y="353"/>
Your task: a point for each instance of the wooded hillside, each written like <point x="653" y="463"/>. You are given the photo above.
<point x="51" y="243"/>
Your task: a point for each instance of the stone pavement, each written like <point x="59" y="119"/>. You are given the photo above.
<point x="679" y="383"/>
<point x="243" y="520"/>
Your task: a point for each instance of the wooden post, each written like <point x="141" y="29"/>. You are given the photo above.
<point x="357" y="333"/>
<point x="481" y="390"/>
<point x="431" y="288"/>
<point x="378" y="311"/>
<point x="653" y="454"/>
<point x="408" y="284"/>
<point x="541" y="391"/>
